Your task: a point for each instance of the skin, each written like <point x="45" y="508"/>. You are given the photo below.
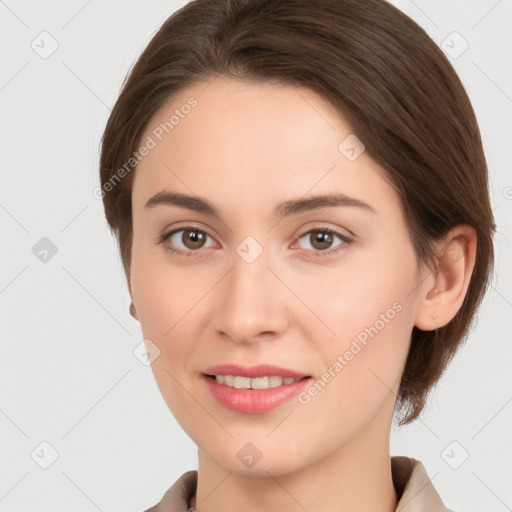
<point x="246" y="147"/>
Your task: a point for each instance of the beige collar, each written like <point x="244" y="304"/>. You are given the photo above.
<point x="415" y="490"/>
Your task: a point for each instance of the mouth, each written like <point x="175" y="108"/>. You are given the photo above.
<point x="253" y="395"/>
<point x="264" y="382"/>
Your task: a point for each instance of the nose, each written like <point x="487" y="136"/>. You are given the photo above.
<point x="251" y="302"/>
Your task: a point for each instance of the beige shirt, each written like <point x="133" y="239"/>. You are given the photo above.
<point x="415" y="491"/>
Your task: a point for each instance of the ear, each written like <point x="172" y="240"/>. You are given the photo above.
<point x="133" y="311"/>
<point x="443" y="291"/>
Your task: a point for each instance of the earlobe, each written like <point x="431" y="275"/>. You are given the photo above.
<point x="133" y="311"/>
<point x="441" y="298"/>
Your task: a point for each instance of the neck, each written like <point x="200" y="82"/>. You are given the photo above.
<point x="356" y="477"/>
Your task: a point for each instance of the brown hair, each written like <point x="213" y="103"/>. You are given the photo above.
<point x="388" y="79"/>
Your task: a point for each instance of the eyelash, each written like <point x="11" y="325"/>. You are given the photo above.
<point x="319" y="254"/>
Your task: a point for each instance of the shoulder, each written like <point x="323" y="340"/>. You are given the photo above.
<point x="414" y="486"/>
<point x="176" y="498"/>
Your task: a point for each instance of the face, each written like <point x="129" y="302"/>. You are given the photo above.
<point x="325" y="289"/>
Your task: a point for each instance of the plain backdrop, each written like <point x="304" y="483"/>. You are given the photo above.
<point x="83" y="426"/>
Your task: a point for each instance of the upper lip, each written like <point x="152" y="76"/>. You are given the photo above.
<point x="260" y="370"/>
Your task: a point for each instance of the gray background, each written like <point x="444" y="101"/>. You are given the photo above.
<point x="68" y="375"/>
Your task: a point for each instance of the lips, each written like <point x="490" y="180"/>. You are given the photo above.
<point x="253" y="401"/>
<point x="261" y="370"/>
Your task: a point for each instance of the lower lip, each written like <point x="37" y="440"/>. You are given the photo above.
<point x="254" y="401"/>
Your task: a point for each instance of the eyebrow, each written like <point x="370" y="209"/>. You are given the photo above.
<point x="284" y="209"/>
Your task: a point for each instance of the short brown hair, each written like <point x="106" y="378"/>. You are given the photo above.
<point x="388" y="79"/>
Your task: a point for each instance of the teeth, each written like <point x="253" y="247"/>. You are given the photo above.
<point x="240" y="382"/>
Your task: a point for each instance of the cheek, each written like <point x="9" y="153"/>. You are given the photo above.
<point x="171" y="304"/>
<point x="356" y="303"/>
<point x="162" y="293"/>
<point x="363" y="362"/>
<point x="371" y="287"/>
<point x="167" y="306"/>
<point x="367" y="317"/>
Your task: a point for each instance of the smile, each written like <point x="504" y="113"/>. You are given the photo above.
<point x="240" y="382"/>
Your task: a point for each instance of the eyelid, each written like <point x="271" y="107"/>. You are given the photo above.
<point x="343" y="233"/>
<point x="347" y="239"/>
<point x="168" y="233"/>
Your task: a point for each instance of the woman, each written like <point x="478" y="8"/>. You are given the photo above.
<point x="300" y="197"/>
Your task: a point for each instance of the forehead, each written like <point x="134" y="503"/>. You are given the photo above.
<point x="253" y="142"/>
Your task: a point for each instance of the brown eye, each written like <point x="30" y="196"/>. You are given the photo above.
<point x="321" y="240"/>
<point x="186" y="240"/>
<point x="193" y="238"/>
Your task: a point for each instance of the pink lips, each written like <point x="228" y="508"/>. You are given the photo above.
<point x="252" y="371"/>
<point x="253" y="401"/>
